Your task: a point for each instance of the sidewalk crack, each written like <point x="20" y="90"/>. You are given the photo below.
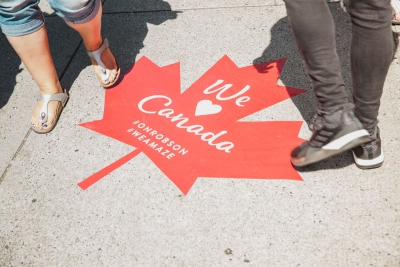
<point x="15" y="156"/>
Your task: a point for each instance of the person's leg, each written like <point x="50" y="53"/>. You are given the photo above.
<point x="84" y="16"/>
<point x="34" y="51"/>
<point x="371" y="56"/>
<point x="22" y="23"/>
<point x="335" y="129"/>
<point x="313" y="28"/>
<point x="91" y="35"/>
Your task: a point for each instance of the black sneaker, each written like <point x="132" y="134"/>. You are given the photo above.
<point x="369" y="155"/>
<point x="333" y="133"/>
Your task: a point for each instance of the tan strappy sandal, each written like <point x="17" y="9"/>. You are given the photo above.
<point x="104" y="71"/>
<point x="62" y="99"/>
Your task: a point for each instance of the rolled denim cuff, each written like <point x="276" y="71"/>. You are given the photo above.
<point x="88" y="16"/>
<point x="23" y="29"/>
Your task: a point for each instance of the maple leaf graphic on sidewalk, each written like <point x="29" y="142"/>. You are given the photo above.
<point x="197" y="133"/>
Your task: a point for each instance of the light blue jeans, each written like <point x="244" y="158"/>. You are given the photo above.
<point x="21" y="17"/>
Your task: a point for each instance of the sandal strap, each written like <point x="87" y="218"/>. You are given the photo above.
<point x="61" y="97"/>
<point x="96" y="55"/>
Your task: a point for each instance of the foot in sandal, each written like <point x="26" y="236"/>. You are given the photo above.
<point x="48" y="110"/>
<point x="105" y="65"/>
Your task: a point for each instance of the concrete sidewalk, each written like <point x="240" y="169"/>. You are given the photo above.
<point x="338" y="215"/>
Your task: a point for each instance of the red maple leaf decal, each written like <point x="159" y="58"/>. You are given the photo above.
<point x="197" y="133"/>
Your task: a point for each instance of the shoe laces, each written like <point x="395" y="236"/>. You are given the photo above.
<point x="372" y="144"/>
<point x="318" y="120"/>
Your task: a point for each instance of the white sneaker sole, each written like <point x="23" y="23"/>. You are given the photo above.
<point x="368" y="163"/>
<point x="344" y="140"/>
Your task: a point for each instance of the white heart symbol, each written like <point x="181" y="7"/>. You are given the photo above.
<point x="206" y="107"/>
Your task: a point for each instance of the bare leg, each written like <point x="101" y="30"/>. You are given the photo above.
<point x="34" y="51"/>
<point x="91" y="35"/>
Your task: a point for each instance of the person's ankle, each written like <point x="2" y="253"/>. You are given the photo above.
<point x="93" y="46"/>
<point x="51" y="88"/>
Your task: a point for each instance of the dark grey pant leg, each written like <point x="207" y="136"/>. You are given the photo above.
<point x="371" y="55"/>
<point x="313" y="28"/>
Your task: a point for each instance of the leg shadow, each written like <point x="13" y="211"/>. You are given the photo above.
<point x="125" y="30"/>
<point x="9" y="68"/>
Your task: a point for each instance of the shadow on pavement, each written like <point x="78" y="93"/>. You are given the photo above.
<point x="10" y="67"/>
<point x="126" y="32"/>
<point x="282" y="45"/>
<point x="132" y="30"/>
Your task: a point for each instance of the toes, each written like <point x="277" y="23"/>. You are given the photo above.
<point x="52" y="111"/>
<point x="35" y="123"/>
<point x="38" y="126"/>
<point x="113" y="76"/>
<point x="35" y="127"/>
<point x="35" y="116"/>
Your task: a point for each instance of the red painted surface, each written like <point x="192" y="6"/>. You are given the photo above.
<point x="197" y="133"/>
<point x="85" y="184"/>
